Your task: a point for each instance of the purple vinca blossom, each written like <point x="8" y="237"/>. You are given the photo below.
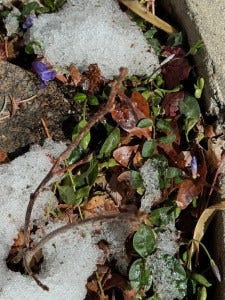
<point x="194" y="167"/>
<point x="44" y="72"/>
<point x="28" y="22"/>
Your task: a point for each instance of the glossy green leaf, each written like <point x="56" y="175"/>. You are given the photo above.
<point x="169" y="139"/>
<point x="190" y="107"/>
<point x="136" y="180"/>
<point x="148" y="148"/>
<point x="172" y="172"/>
<point x="108" y="164"/>
<point x="67" y="194"/>
<point x="77" y="129"/>
<point x="202" y="293"/>
<point x="144" y="241"/>
<point x="33" y="47"/>
<point x="145" y="123"/>
<point x="163" y="125"/>
<point x="200" y="279"/>
<point x="140" y="275"/>
<point x="93" y="100"/>
<point x="164" y="215"/>
<point x="111" y="142"/>
<point x="169" y="276"/>
<point x="80" y="97"/>
<point x="74" y="156"/>
<point x="29" y="8"/>
<point x="81" y="194"/>
<point x="175" y="39"/>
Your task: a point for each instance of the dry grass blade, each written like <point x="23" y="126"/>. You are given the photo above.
<point x="202" y="225"/>
<point x="142" y="11"/>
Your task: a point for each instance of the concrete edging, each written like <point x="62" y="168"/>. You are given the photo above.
<point x="205" y="20"/>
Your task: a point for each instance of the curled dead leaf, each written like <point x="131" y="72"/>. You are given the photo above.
<point x="189" y="189"/>
<point x="99" y="205"/>
<point x="202" y="225"/>
<point x="75" y="75"/>
<point x="123" y="154"/>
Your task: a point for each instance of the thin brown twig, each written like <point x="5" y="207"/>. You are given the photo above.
<point x="29" y="254"/>
<point x="46" y="128"/>
<point x="73" y="166"/>
<point x="96" y="118"/>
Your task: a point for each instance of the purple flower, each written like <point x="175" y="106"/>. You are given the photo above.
<point x="215" y="270"/>
<point x="28" y="22"/>
<point x="194" y="167"/>
<point x="44" y="72"/>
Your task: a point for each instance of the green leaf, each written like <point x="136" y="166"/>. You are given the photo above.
<point x="164" y="215"/>
<point x="33" y="47"/>
<point x="201" y="279"/>
<point x="140" y="276"/>
<point x="81" y="194"/>
<point x="148" y="148"/>
<point x="29" y="8"/>
<point x="108" y="164"/>
<point x="145" y="123"/>
<point x="67" y="194"/>
<point x="77" y="129"/>
<point x="175" y="39"/>
<point x="144" y="241"/>
<point x="169" y="139"/>
<point x="195" y="48"/>
<point x="169" y="277"/>
<point x="136" y="180"/>
<point x="202" y="293"/>
<point x="91" y="173"/>
<point x="163" y="125"/>
<point x="172" y="172"/>
<point x="93" y="100"/>
<point x="74" y="156"/>
<point x="190" y="107"/>
<point x="80" y="97"/>
<point x="111" y="142"/>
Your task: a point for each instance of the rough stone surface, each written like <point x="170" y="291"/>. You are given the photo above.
<point x="205" y="20"/>
<point x="87" y="32"/>
<point x="25" y="127"/>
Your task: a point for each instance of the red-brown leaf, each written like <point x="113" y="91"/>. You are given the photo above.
<point x="188" y="190"/>
<point x="75" y="75"/>
<point x="123" y="154"/>
<point x="140" y="105"/>
<point x="171" y="103"/>
<point x="175" y="71"/>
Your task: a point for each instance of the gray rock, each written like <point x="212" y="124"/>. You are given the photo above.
<point x="204" y="20"/>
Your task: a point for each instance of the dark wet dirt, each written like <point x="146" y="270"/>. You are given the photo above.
<point x="21" y="123"/>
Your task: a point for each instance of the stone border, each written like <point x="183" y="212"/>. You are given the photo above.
<point x="204" y="20"/>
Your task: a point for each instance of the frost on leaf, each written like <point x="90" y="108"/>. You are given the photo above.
<point x="169" y="277"/>
<point x="150" y="175"/>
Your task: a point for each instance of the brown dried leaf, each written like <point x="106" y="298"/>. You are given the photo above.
<point x="99" y="205"/>
<point x="19" y="241"/>
<point x="129" y="294"/>
<point x="188" y="190"/>
<point x="140" y="105"/>
<point x="123" y="154"/>
<point x="75" y="75"/>
<point x="94" y="78"/>
<point x="203" y="223"/>
<point x="3" y="157"/>
<point x="124" y="115"/>
<point x="2" y="52"/>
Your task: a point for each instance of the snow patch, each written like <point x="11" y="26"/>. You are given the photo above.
<point x="84" y="32"/>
